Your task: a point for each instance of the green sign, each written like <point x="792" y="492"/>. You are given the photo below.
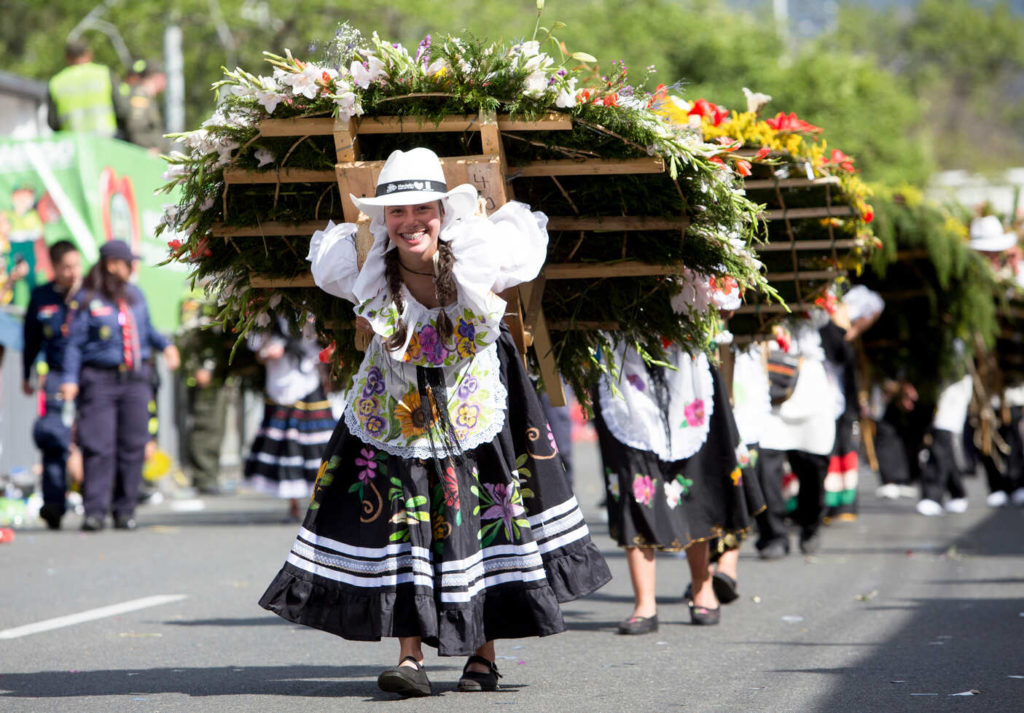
<point x="88" y="190"/>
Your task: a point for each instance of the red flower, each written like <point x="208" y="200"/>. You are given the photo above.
<point x="584" y="96"/>
<point x="827" y="302"/>
<point x="762" y="153"/>
<point x="703" y="108"/>
<point x="660" y="94"/>
<point x="869" y="214"/>
<point x="783" y="122"/>
<point x="838" y="158"/>
<point x="174" y="244"/>
<point x="666" y="342"/>
<point x="326" y="353"/>
<point x="717" y="160"/>
<point x="743" y="167"/>
<point x="611" y="99"/>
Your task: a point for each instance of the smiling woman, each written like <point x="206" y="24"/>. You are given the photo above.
<point x="436" y="519"/>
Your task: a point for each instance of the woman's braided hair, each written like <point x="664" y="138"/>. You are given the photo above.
<point x="444" y="289"/>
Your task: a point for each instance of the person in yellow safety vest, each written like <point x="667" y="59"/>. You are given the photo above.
<point x="82" y="95"/>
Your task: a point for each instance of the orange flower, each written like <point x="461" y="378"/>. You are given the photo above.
<point x="743" y="167"/>
<point x="611" y="99"/>
<point x="762" y="153"/>
<point x="660" y="94"/>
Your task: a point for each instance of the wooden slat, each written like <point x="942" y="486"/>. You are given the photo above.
<point x="836" y="211"/>
<point x="263" y="282"/>
<point x="588" y="167"/>
<point x="759" y="183"/>
<point x="320" y="126"/>
<point x="617" y="223"/>
<point x="806" y="245"/>
<point x="567" y="325"/>
<point x="544" y="349"/>
<point x="554" y="121"/>
<point x="268" y="228"/>
<point x="237" y="176"/>
<point x="802" y="275"/>
<point x="774" y="308"/>
<point x="627" y="268"/>
<point x="324" y="126"/>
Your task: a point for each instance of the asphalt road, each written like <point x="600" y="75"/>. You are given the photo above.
<point x="898" y="613"/>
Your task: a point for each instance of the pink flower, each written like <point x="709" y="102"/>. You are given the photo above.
<point x="694" y="412"/>
<point x="365" y="459"/>
<point x="643" y="489"/>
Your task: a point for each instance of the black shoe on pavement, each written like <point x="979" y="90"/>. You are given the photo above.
<point x="93" y="523"/>
<point x="774" y="550"/>
<point x="124" y="522"/>
<point x="725" y="587"/>
<point x="51" y="514"/>
<point x="406" y="681"/>
<point x="811" y="544"/>
<point x="635" y="625"/>
<point x="703" y="616"/>
<point x="476" y="681"/>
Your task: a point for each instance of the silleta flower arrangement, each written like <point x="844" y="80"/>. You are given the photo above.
<point x="819" y="218"/>
<point x="696" y="221"/>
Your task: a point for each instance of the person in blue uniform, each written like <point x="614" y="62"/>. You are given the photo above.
<point x="45" y="331"/>
<point x="106" y="366"/>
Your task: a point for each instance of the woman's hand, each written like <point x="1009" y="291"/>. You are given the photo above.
<point x="68" y="391"/>
<point x="171" y="357"/>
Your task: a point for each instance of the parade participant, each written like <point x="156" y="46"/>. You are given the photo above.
<point x="82" y="95"/>
<point x="940" y="471"/>
<point x="800" y="430"/>
<point x="856" y="312"/>
<point x="110" y="340"/>
<point x="45" y="329"/>
<point x="441" y="513"/>
<point x="668" y="443"/>
<point x="297" y="420"/>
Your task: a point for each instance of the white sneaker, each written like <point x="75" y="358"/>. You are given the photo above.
<point x="997" y="499"/>
<point x="889" y="491"/>
<point x="929" y="508"/>
<point x="1017" y="497"/>
<point x="956" y="505"/>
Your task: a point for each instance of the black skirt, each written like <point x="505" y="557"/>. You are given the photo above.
<point x="458" y="550"/>
<point x="670" y="505"/>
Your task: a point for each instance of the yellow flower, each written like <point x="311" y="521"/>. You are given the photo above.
<point x="409" y="412"/>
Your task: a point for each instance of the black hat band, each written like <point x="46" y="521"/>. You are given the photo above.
<point x="387" y="189"/>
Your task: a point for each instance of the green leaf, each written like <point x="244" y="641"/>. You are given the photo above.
<point x="398" y="535"/>
<point x="526" y="492"/>
<point x="420" y="515"/>
<point x="415" y="501"/>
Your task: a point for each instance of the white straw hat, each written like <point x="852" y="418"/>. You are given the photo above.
<point x="414" y="177"/>
<point x="987" y="235"/>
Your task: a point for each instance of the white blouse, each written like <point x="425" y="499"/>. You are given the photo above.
<point x="634" y="416"/>
<point x="491" y="255"/>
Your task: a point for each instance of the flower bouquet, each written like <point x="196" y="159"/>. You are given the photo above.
<point x="635" y="197"/>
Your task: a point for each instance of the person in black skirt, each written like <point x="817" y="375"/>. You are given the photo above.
<point x="297" y="420"/>
<point x="441" y="514"/>
<point x="669" y="446"/>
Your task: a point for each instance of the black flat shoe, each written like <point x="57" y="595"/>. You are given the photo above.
<point x="51" y="514"/>
<point x="725" y="587"/>
<point x="406" y="681"/>
<point x="125" y="522"/>
<point x="702" y="616"/>
<point x="92" y="523"/>
<point x="639" y="625"/>
<point x="474" y="680"/>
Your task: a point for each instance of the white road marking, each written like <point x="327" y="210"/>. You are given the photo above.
<point x="90" y="615"/>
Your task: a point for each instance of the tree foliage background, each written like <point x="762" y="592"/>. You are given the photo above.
<point x="904" y="91"/>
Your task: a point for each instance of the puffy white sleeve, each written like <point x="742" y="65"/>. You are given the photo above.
<point x="496" y="253"/>
<point x="332" y="257"/>
<point x="522" y="240"/>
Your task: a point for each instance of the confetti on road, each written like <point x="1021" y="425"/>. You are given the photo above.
<point x="792" y="618"/>
<point x="867" y="597"/>
<point x="972" y="692"/>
